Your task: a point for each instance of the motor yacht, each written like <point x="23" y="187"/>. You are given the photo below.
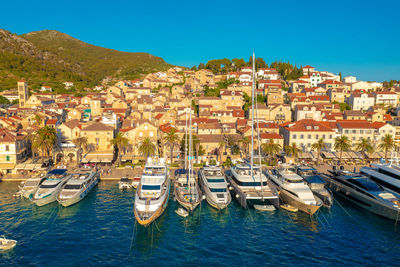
<point x="364" y="192"/>
<point x="152" y="194"/>
<point x="124" y="183"/>
<point x="293" y="190"/>
<point x="251" y="189"/>
<point x="51" y="186"/>
<point x="316" y="184"/>
<point x="30" y="186"/>
<point x="214" y="186"/>
<point x="387" y="176"/>
<point x="78" y="186"/>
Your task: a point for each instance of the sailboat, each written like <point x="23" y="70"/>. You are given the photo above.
<point x="186" y="189"/>
<point x="248" y="184"/>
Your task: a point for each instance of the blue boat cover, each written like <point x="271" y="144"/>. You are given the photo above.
<point x="57" y="171"/>
<point x="314" y="179"/>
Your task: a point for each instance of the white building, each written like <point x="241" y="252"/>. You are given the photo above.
<point x="350" y="79"/>
<point x="307" y="112"/>
<point x="267" y="74"/>
<point x="361" y="101"/>
<point x="68" y="84"/>
<point x="245" y="77"/>
<point x="386" y="98"/>
<point x="315" y="79"/>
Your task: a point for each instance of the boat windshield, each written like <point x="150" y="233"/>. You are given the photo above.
<point x="366" y="184"/>
<point x="48" y="185"/>
<point x="150" y="187"/>
<point x="215" y="180"/>
<point x="156" y="171"/>
<point x="218" y="190"/>
<point x="294" y="181"/>
<point x="212" y="173"/>
<point x="306" y="172"/>
<point x="73" y="186"/>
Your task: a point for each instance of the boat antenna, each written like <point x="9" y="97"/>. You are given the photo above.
<point x="252" y="120"/>
<point x="258" y="133"/>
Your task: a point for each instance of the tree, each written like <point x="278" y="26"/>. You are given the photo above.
<point x="44" y="140"/>
<point x="270" y="149"/>
<point x="364" y="145"/>
<point x="387" y="144"/>
<point x="238" y="63"/>
<point x="82" y="143"/>
<point x="38" y="120"/>
<point x="4" y="100"/>
<point x="245" y="144"/>
<point x="342" y="143"/>
<point x="221" y="145"/>
<point x="292" y="150"/>
<point x="147" y="148"/>
<point x="171" y="139"/>
<point x="319" y="145"/>
<point x="120" y="142"/>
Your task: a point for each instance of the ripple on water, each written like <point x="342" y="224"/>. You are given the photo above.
<point x="101" y="230"/>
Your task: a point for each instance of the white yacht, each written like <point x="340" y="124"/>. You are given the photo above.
<point x="215" y="188"/>
<point x="251" y="188"/>
<point x="293" y="190"/>
<point x="186" y="189"/>
<point x="124" y="184"/>
<point x="387" y="176"/>
<point x="151" y="198"/>
<point x="78" y="186"/>
<point x="50" y="188"/>
<point x="30" y="186"/>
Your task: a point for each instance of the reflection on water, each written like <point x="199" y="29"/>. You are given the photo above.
<point x="101" y="229"/>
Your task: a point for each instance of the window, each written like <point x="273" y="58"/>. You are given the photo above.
<point x="294" y="136"/>
<point x="316" y="136"/>
<point x="301" y="136"/>
<point x="7" y="158"/>
<point x="7" y="148"/>
<point x="323" y="136"/>
<point x="309" y="136"/>
<point x="330" y="136"/>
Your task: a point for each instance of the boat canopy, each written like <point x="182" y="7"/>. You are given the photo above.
<point x="314" y="179"/>
<point x="57" y="171"/>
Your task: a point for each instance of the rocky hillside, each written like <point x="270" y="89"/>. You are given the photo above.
<point x="51" y="57"/>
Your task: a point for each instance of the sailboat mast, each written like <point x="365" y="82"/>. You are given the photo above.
<point x="258" y="139"/>
<point x="190" y="149"/>
<point x="186" y="136"/>
<point x="252" y="119"/>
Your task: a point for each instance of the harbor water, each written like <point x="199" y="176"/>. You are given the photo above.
<point x="101" y="231"/>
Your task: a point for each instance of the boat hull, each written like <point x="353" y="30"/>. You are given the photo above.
<point x="210" y="198"/>
<point x="369" y="204"/>
<point x="292" y="201"/>
<point x="45" y="200"/>
<point x="157" y="213"/>
<point x="77" y="197"/>
<point x="190" y="206"/>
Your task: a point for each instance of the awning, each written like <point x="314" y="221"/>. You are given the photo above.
<point x="7" y="166"/>
<point x="97" y="158"/>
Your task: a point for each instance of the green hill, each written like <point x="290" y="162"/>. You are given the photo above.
<point x="51" y="57"/>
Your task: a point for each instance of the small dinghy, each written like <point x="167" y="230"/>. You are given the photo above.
<point x="264" y="207"/>
<point x="6" y="244"/>
<point x="124" y="183"/>
<point x="289" y="208"/>
<point x="182" y="212"/>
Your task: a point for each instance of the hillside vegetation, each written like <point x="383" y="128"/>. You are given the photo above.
<point x="51" y="57"/>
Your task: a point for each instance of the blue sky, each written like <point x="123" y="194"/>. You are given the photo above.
<point x="359" y="38"/>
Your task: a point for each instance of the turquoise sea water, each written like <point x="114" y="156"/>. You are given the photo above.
<point x="101" y="231"/>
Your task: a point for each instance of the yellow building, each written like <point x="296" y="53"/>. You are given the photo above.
<point x="13" y="150"/>
<point x="22" y="93"/>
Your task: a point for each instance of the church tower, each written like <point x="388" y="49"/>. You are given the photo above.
<point x="22" y="93"/>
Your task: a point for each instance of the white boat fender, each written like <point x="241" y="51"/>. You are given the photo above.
<point x="230" y="188"/>
<point x="204" y="197"/>
<point x="237" y="196"/>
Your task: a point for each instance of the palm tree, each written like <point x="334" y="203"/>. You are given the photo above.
<point x="364" y="145"/>
<point x="319" y="145"/>
<point x="387" y="144"/>
<point x="120" y="142"/>
<point x="271" y="149"/>
<point x="44" y="140"/>
<point x="147" y="148"/>
<point x="342" y="143"/>
<point x="221" y="145"/>
<point x="292" y="150"/>
<point x="171" y="139"/>
<point x="82" y="143"/>
<point x="38" y="120"/>
<point x="245" y="142"/>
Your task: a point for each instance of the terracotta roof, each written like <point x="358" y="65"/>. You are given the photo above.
<point x="378" y="125"/>
<point x="308" y="67"/>
<point x="352" y="124"/>
<point x="270" y="136"/>
<point x="97" y="126"/>
<point x="307" y="125"/>
<point x="71" y="124"/>
<point x="52" y="121"/>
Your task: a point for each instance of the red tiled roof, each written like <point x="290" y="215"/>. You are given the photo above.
<point x="351" y="124"/>
<point x="270" y="136"/>
<point x="307" y="125"/>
